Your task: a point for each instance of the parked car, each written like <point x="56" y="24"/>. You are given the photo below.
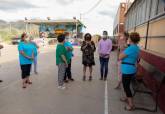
<point x="15" y="40"/>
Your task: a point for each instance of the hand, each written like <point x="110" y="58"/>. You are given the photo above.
<point x="31" y="58"/>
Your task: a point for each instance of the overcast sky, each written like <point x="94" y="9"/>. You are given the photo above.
<point x="101" y="18"/>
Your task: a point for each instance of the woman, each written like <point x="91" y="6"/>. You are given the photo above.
<point x="128" y="67"/>
<point x="88" y="48"/>
<point x="122" y="44"/>
<point x="26" y="57"/>
<point x="36" y="47"/>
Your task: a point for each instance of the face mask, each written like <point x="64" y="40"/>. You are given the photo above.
<point x="104" y="36"/>
<point x="27" y="39"/>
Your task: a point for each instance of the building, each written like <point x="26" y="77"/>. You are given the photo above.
<point x="118" y="27"/>
<point x="55" y="27"/>
<point x="147" y="17"/>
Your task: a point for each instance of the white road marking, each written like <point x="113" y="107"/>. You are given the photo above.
<point x="106" y="99"/>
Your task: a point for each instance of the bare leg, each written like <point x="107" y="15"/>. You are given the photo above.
<point x="84" y="73"/>
<point x="90" y="71"/>
<point x="28" y="80"/>
<point x="24" y="83"/>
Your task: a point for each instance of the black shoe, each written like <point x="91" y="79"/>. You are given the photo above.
<point x="90" y="78"/>
<point x="71" y="79"/>
<point x="105" y="79"/>
<point x="101" y="78"/>
<point x="66" y="81"/>
<point x="84" y="78"/>
<point x="1" y="81"/>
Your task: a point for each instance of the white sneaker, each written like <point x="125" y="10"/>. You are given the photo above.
<point x="63" y="87"/>
<point x="59" y="87"/>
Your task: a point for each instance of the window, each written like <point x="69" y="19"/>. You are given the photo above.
<point x="148" y="5"/>
<point x="161" y="6"/>
<point x="154" y="8"/>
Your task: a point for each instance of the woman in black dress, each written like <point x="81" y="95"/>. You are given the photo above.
<point x="88" y="48"/>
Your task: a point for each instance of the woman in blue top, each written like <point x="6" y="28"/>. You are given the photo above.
<point x="26" y="56"/>
<point x="128" y="67"/>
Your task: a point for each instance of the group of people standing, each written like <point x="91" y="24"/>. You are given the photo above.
<point x="128" y="57"/>
<point x="88" y="48"/>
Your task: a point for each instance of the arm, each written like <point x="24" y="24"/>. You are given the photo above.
<point x="28" y="57"/>
<point x="84" y="45"/>
<point x="36" y="45"/>
<point x="110" y="46"/>
<point x="93" y="46"/>
<point x="64" y="59"/>
<point x="122" y="56"/>
<point x="126" y="53"/>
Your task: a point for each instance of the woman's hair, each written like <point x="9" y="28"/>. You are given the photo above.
<point x="87" y="37"/>
<point x="23" y="36"/>
<point x="135" y="37"/>
<point x="61" y="38"/>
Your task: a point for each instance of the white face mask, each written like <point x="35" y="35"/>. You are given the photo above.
<point x="104" y="36"/>
<point x="27" y="39"/>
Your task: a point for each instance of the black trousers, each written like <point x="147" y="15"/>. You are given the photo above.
<point x="126" y="80"/>
<point x="68" y="74"/>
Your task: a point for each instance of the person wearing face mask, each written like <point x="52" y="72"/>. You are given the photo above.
<point x="104" y="49"/>
<point x="88" y="48"/>
<point x="69" y="48"/>
<point x="26" y="57"/>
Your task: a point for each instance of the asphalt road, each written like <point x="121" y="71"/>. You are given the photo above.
<point x="43" y="96"/>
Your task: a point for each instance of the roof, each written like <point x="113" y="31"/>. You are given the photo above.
<point x="54" y="22"/>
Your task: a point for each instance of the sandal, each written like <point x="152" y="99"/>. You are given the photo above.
<point x="129" y="108"/>
<point x="28" y="82"/>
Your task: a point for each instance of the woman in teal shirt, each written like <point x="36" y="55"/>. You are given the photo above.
<point x="26" y="56"/>
<point x="128" y="67"/>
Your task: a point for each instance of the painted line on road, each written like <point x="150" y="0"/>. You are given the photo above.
<point x="106" y="98"/>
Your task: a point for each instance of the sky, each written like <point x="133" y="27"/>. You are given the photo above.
<point x="99" y="19"/>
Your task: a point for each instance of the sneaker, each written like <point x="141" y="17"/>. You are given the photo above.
<point x="63" y="87"/>
<point x="105" y="79"/>
<point x="101" y="78"/>
<point x="1" y="81"/>
<point x="71" y="79"/>
<point x="66" y="81"/>
<point x="59" y="87"/>
<point x="36" y="73"/>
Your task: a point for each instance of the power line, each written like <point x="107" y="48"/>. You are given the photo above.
<point x="92" y="8"/>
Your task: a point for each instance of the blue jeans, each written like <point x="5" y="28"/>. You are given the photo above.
<point x="104" y="67"/>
